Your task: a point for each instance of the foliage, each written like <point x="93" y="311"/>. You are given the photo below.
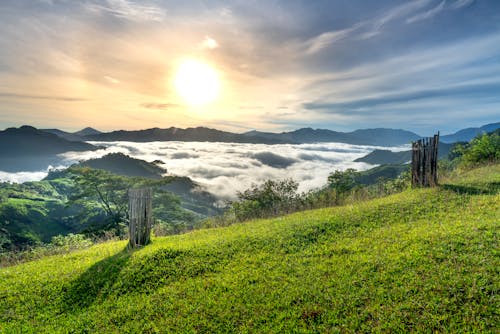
<point x="273" y="198"/>
<point x="106" y="189"/>
<point x="92" y="202"/>
<point x="59" y="244"/>
<point x="342" y="181"/>
<point x="485" y="148"/>
<point x="425" y="260"/>
<point x="267" y="199"/>
<point x="71" y="241"/>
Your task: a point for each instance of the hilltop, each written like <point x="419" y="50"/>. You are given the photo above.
<point x="421" y="260"/>
<point x="29" y="149"/>
<point x="469" y="133"/>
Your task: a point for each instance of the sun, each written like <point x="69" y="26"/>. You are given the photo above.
<point x="197" y="82"/>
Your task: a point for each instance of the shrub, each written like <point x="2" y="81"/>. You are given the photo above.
<point x="268" y="199"/>
<point x="484" y="148"/>
<point x="342" y="181"/>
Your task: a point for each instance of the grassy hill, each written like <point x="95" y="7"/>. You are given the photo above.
<point x="424" y="260"/>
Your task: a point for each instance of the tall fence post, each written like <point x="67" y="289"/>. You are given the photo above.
<point x="140" y="216"/>
<point x="424" y="162"/>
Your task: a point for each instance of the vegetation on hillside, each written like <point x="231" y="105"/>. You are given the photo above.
<point x="88" y="201"/>
<point x="278" y="197"/>
<point x="424" y="260"/>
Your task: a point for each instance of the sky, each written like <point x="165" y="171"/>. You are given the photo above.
<point x="421" y="65"/>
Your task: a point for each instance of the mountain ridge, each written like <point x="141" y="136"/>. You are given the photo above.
<point x="29" y="149"/>
<point x="469" y="133"/>
<point x="369" y="136"/>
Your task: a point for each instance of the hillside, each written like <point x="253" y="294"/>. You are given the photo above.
<point x="74" y="136"/>
<point x="423" y="260"/>
<point x="387" y="172"/>
<point x="34" y="212"/>
<point x="383" y="137"/>
<point x="200" y="134"/>
<point x="381" y="157"/>
<point x="121" y="164"/>
<point x="469" y="133"/>
<point x="30" y="149"/>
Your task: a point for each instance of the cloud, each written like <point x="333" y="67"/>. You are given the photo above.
<point x="159" y="106"/>
<point x="457" y="91"/>
<point x="461" y="4"/>
<point x="274" y="160"/>
<point x="427" y="14"/>
<point x="42" y="97"/>
<point x="225" y="168"/>
<point x="328" y="38"/>
<point x="22" y="177"/>
<point x="209" y="43"/>
<point x="111" y="79"/>
<point x="127" y="9"/>
<point x="183" y="155"/>
<point x="364" y="29"/>
<point x="250" y="107"/>
<point x="313" y="157"/>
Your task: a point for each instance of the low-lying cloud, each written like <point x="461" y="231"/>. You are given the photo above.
<point x="226" y="168"/>
<point x="274" y="160"/>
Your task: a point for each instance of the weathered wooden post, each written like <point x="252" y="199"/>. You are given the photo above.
<point x="424" y="162"/>
<point x="140" y="215"/>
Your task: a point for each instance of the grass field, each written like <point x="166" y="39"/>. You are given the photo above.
<point x="424" y="260"/>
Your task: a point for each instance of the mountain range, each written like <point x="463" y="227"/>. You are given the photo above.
<point x="469" y="133"/>
<point x="74" y="136"/>
<point x="381" y="137"/>
<point x="29" y="149"/>
<point x="377" y="136"/>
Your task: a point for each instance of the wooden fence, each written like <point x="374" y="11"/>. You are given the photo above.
<point x="424" y="162"/>
<point x="140" y="215"/>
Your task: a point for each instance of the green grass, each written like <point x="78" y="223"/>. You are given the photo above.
<point x="424" y="260"/>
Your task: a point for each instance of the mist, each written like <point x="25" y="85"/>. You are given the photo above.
<point x="226" y="168"/>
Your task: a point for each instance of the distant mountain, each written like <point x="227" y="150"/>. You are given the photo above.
<point x="121" y="164"/>
<point x="88" y="131"/>
<point x="383" y="157"/>
<point x="469" y="133"/>
<point x="201" y="134"/>
<point x="73" y="136"/>
<point x="382" y="137"/>
<point x="379" y="136"/>
<point x="29" y="149"/>
<point x="63" y="134"/>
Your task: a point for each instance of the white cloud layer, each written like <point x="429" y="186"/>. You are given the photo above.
<point x="226" y="168"/>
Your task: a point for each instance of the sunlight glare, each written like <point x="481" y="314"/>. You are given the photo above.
<point x="197" y="82"/>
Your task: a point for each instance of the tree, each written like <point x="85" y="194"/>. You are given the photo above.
<point x="342" y="181"/>
<point x="484" y="148"/>
<point x="266" y="199"/>
<point x="108" y="191"/>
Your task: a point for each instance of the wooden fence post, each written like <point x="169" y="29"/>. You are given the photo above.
<point x="140" y="216"/>
<point x="424" y="162"/>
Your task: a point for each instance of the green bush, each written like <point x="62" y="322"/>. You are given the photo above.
<point x="342" y="181"/>
<point x="485" y="148"/>
<point x="71" y="241"/>
<point x="268" y="199"/>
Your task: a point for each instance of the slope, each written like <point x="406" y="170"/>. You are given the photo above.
<point x="469" y="133"/>
<point x="423" y="260"/>
<point x="30" y="149"/>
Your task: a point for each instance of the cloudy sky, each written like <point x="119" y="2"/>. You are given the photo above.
<point x="422" y="65"/>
